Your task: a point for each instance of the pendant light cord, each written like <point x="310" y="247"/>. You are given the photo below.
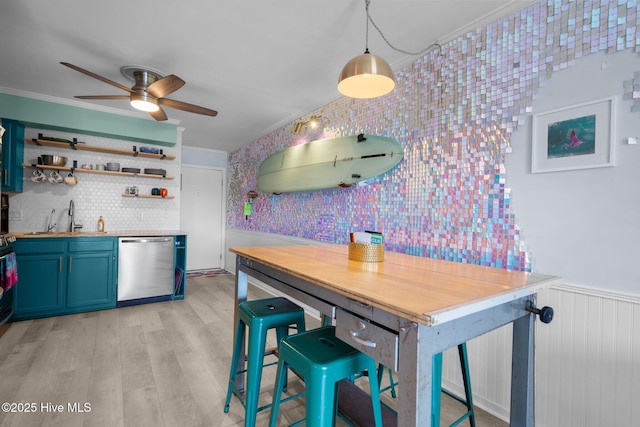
<point x="369" y="19"/>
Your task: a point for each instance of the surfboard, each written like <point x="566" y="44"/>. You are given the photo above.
<point x="328" y="163"/>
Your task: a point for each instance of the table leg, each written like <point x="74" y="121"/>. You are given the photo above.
<point x="522" y="368"/>
<point x="241" y="295"/>
<point x="415" y="375"/>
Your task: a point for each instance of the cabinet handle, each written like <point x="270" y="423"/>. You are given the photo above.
<point x="60" y="264"/>
<point x="5" y="176"/>
<point x="366" y="343"/>
<point x="70" y="262"/>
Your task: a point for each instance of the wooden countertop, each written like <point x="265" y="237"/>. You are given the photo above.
<point x="124" y="233"/>
<point x="424" y="290"/>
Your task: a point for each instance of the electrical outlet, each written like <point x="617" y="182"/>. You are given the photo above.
<point x="16" y="215"/>
<point x="140" y="216"/>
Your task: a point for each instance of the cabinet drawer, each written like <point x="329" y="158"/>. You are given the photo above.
<point x="91" y="244"/>
<point x="40" y="246"/>
<point x="369" y="338"/>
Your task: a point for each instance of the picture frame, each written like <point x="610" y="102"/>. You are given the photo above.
<point x="576" y="137"/>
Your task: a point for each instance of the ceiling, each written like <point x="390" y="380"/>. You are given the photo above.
<point x="260" y="64"/>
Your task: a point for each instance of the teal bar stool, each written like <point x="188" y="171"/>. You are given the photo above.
<point x="322" y="360"/>
<point x="437" y="388"/>
<point x="259" y="316"/>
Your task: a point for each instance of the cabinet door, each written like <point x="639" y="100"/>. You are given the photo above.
<point x="90" y="278"/>
<point x="12" y="155"/>
<point x="40" y="289"/>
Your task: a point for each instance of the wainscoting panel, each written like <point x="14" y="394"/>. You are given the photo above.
<point x="587" y="362"/>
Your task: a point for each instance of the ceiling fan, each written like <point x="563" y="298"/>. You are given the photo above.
<point x="149" y="91"/>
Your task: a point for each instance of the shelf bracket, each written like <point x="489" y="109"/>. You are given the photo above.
<point x="73" y="143"/>
<point x="35" y="141"/>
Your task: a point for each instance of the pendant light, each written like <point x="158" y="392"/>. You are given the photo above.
<point x="366" y="75"/>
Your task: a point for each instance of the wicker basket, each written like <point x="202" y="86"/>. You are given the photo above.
<point x="366" y="252"/>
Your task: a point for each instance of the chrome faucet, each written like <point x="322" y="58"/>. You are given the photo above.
<point x="51" y="225"/>
<point x="72" y="224"/>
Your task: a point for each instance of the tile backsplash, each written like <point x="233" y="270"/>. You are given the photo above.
<point x="96" y="195"/>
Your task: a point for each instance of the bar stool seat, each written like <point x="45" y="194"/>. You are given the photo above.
<point x="322" y="360"/>
<point x="259" y="316"/>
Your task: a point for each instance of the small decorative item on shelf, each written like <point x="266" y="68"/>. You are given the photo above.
<point x="155" y="191"/>
<point x="149" y="150"/>
<point x="164" y="192"/>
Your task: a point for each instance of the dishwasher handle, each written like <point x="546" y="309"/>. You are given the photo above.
<point x="147" y="240"/>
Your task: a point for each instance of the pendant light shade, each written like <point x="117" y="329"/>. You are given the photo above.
<point x="366" y="76"/>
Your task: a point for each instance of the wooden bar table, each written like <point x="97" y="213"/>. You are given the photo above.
<point x="406" y="309"/>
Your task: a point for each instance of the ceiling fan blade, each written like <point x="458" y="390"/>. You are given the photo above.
<point x="179" y="105"/>
<point x="95" y="76"/>
<point x="159" y="115"/>
<point x="102" y="96"/>
<point x="165" y="86"/>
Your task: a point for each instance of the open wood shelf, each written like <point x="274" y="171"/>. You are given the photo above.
<point x="81" y="146"/>
<point x="95" y="171"/>
<point x="147" y="196"/>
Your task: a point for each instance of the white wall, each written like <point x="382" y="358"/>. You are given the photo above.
<point x="583" y="225"/>
<point x="204" y="157"/>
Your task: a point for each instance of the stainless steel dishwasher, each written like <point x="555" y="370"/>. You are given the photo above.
<point x="145" y="267"/>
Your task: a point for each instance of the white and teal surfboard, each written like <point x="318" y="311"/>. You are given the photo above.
<point x="328" y="163"/>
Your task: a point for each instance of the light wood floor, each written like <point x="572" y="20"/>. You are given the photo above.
<point x="162" y="364"/>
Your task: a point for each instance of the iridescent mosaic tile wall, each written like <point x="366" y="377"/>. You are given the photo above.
<point x="454" y="114"/>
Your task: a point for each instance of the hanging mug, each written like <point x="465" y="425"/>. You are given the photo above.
<point x="38" y="176"/>
<point x="55" y="177"/>
<point x="70" y="179"/>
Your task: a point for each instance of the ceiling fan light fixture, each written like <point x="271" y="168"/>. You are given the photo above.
<point x="366" y="76"/>
<point x="144" y="102"/>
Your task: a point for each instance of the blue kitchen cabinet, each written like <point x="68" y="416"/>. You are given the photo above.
<point x="90" y="277"/>
<point x="12" y="155"/>
<point x="64" y="275"/>
<point x="40" y="290"/>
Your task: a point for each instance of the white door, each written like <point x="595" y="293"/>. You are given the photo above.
<point x="201" y="216"/>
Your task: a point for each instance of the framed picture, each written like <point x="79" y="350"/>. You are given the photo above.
<point x="576" y="137"/>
